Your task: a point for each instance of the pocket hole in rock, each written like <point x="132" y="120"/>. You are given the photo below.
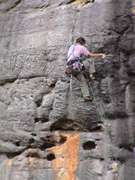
<point x="47" y="145"/>
<point x="51" y="157"/>
<point x="36" y="120"/>
<point x="52" y="87"/>
<point x="17" y="143"/>
<point x="63" y="140"/>
<point x="89" y="145"/>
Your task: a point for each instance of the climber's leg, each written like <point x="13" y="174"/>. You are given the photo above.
<point x="89" y="64"/>
<point x="84" y="87"/>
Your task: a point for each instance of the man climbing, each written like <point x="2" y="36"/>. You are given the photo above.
<point x="75" y="66"/>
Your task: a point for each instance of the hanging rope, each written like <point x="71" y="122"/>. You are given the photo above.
<point x="106" y="130"/>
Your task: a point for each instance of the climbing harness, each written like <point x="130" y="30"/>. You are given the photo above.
<point x="106" y="130"/>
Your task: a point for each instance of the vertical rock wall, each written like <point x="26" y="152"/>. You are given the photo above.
<point x="47" y="131"/>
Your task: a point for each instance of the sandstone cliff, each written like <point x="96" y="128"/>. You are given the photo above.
<point x="47" y="131"/>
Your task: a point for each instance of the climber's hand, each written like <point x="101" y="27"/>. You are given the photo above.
<point x="103" y="56"/>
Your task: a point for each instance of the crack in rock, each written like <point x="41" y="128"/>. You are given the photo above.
<point x="83" y="2"/>
<point x="16" y="3"/>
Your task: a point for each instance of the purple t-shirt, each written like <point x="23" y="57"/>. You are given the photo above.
<point x="78" y="52"/>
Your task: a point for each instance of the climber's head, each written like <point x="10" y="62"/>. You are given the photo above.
<point x="80" y="40"/>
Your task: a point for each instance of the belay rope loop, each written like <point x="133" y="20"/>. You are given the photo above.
<point x="106" y="131"/>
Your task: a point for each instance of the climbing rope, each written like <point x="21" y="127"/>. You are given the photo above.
<point x="106" y="130"/>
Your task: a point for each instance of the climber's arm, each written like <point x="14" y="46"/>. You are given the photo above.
<point x="97" y="54"/>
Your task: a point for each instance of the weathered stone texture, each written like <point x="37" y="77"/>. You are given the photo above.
<point x="47" y="131"/>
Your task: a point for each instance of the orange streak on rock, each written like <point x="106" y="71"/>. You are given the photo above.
<point x="37" y="123"/>
<point x="52" y="89"/>
<point x="101" y="134"/>
<point x="133" y="8"/>
<point x="10" y="162"/>
<point x="66" y="155"/>
<point x="10" y="9"/>
<point x="31" y="162"/>
<point x="32" y="150"/>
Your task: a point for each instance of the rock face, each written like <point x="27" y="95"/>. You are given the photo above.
<point x="47" y="131"/>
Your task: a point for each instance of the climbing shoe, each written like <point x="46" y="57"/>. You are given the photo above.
<point x="91" y="77"/>
<point x="88" y="98"/>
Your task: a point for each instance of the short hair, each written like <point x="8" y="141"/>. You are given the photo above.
<point x="80" y="40"/>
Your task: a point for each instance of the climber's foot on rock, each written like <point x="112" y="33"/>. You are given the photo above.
<point x="88" y="98"/>
<point x="92" y="77"/>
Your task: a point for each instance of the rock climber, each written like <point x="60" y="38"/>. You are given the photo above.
<point x="75" y="66"/>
